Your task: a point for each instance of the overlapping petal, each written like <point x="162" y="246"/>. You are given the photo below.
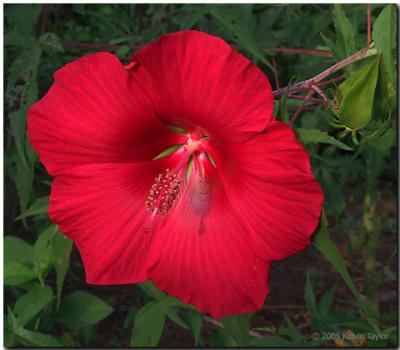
<point x="197" y="81"/>
<point x="94" y="113"/>
<point x="273" y="191"/>
<point x="101" y="207"/>
<point x="209" y="261"/>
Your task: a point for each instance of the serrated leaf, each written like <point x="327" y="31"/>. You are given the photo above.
<point x="81" y="309"/>
<point x="15" y="273"/>
<point x="168" y="151"/>
<point x="307" y="136"/>
<point x="17" y="250"/>
<point x="356" y="104"/>
<point x="31" y="303"/>
<point x="384" y="37"/>
<point x="40" y="206"/>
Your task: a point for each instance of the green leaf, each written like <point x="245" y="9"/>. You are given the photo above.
<point x="333" y="192"/>
<point x="238" y="32"/>
<point x="51" y="43"/>
<point x="384" y="36"/>
<point x="307" y="136"/>
<point x="40" y="206"/>
<point x="329" y="250"/>
<point x="43" y="249"/>
<point x="31" y="303"/>
<point x="150" y="289"/>
<point x="62" y="247"/>
<point x="309" y="297"/>
<point x="344" y="30"/>
<point x="24" y="183"/>
<point x="325" y="303"/>
<point x="293" y="332"/>
<point x="238" y="327"/>
<point x="24" y="17"/>
<point x="271" y="342"/>
<point x="17" y="250"/>
<point x="81" y="309"/>
<point x="38" y="339"/>
<point x="195" y="321"/>
<point x="122" y="51"/>
<point x="355" y="109"/>
<point x="149" y="324"/>
<point x="168" y="151"/>
<point x="15" y="273"/>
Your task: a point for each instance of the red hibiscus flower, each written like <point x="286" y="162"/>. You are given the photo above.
<point x="172" y="169"/>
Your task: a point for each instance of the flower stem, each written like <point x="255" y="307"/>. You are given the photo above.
<point x="306" y="84"/>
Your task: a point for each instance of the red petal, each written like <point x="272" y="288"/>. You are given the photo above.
<point x="101" y="207"/>
<point x="94" y="113"/>
<point x="271" y="187"/>
<point x="197" y="80"/>
<point x="209" y="262"/>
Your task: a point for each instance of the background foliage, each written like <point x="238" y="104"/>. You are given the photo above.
<point x="341" y="293"/>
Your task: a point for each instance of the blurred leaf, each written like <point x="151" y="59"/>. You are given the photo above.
<point x="195" y="321"/>
<point x="271" y="342"/>
<point x="150" y="289"/>
<point x="333" y="192"/>
<point x="238" y="32"/>
<point x="344" y="30"/>
<point x="23" y="16"/>
<point x="326" y="301"/>
<point x="51" y="43"/>
<point x="293" y="332"/>
<point x="307" y="136"/>
<point x="238" y="327"/>
<point x="43" y="248"/>
<point x="122" y="51"/>
<point x="149" y="323"/>
<point x="62" y="247"/>
<point x="330" y="251"/>
<point x="82" y="309"/>
<point x="40" y="206"/>
<point x="15" y="273"/>
<point x="31" y="303"/>
<point x="309" y="296"/>
<point x="38" y="339"/>
<point x="17" y="250"/>
<point x="384" y="36"/>
<point x="355" y="109"/>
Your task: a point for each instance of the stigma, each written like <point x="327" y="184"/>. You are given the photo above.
<point x="188" y="174"/>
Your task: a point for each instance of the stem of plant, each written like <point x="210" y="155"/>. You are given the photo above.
<point x="306" y="84"/>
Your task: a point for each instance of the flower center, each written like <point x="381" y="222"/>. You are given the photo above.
<point x="169" y="185"/>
